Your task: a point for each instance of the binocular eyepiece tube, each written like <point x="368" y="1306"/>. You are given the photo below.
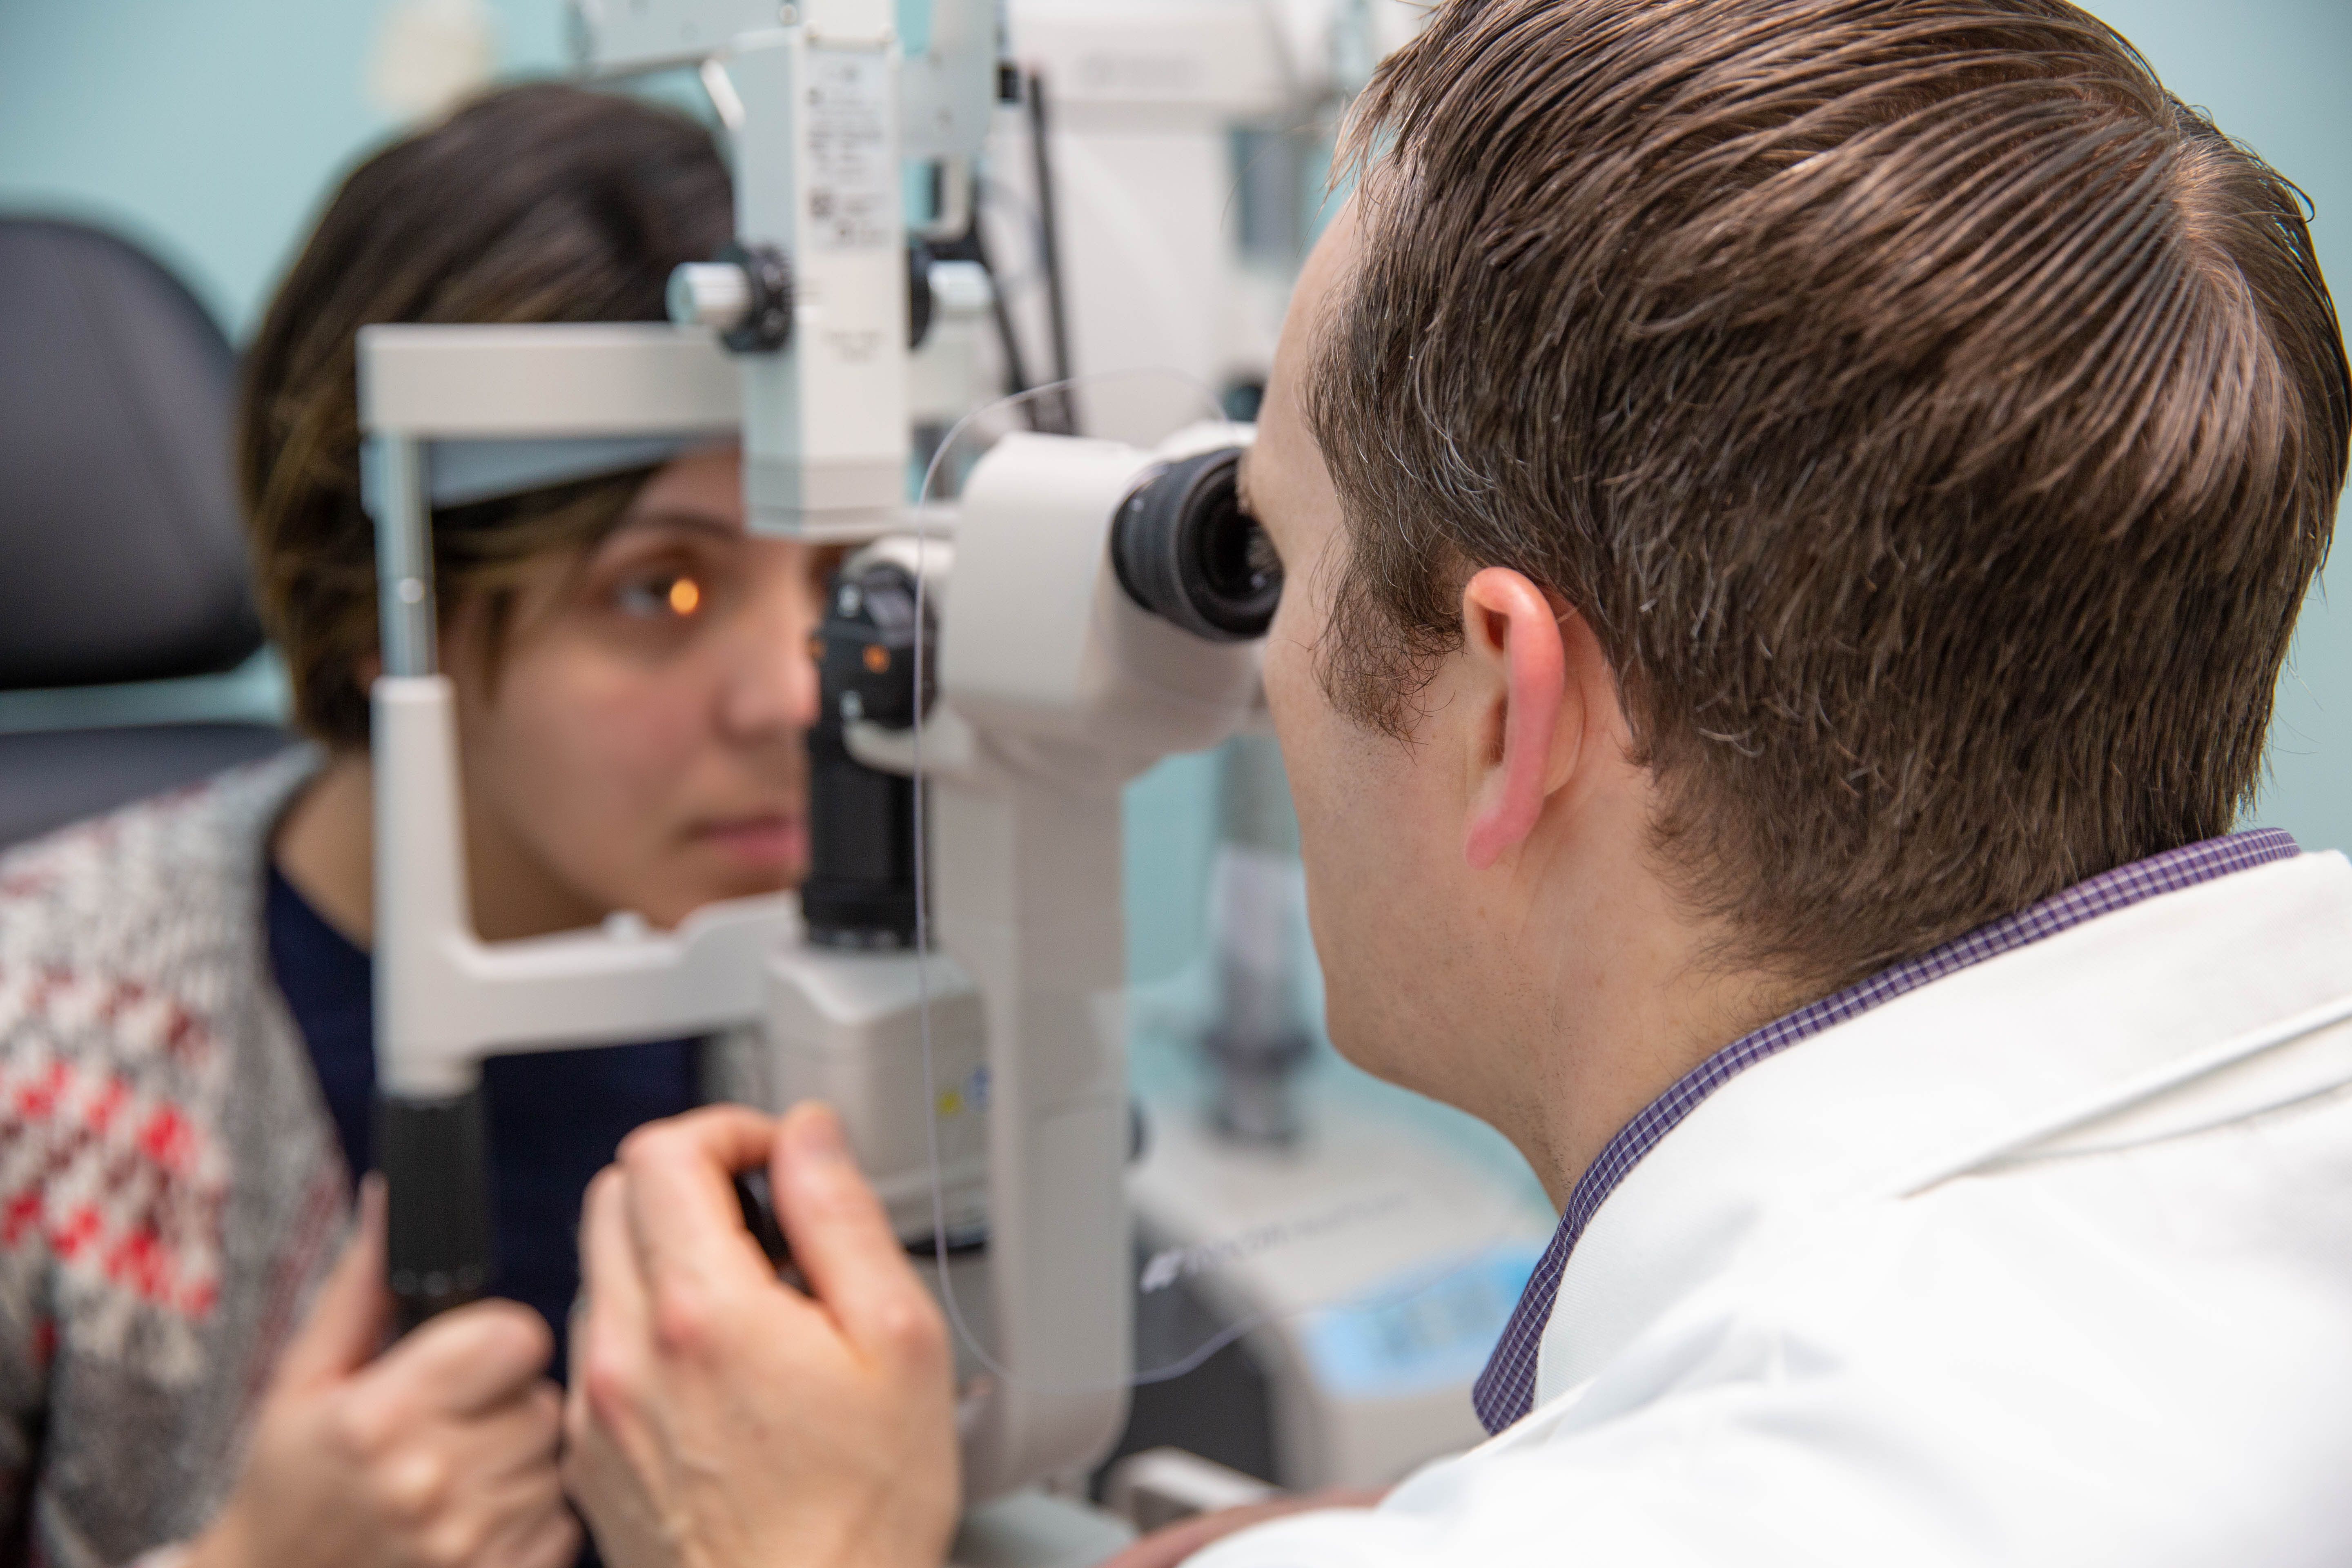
<point x="1185" y="550"/>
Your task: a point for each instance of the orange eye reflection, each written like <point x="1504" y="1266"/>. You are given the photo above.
<point x="684" y="595"/>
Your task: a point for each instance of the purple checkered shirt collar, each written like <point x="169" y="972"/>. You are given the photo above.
<point x="1505" y="1390"/>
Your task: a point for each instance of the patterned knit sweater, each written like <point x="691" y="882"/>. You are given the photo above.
<point x="172" y="1191"/>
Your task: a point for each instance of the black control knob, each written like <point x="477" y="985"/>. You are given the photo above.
<point x="746" y="293"/>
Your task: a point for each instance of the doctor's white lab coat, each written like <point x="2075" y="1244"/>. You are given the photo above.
<point x="2049" y="1261"/>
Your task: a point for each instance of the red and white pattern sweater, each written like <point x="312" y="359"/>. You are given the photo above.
<point x="170" y="1188"/>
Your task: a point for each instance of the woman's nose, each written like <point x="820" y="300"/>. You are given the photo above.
<point x="773" y="685"/>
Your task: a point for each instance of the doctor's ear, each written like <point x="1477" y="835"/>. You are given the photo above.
<point x="1528" y="656"/>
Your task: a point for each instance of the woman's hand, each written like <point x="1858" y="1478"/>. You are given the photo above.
<point x="439" y="1454"/>
<point x="720" y="1418"/>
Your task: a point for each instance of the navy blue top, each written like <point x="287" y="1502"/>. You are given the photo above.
<point x="555" y="1117"/>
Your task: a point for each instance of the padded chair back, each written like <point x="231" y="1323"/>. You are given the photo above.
<point x="121" y="555"/>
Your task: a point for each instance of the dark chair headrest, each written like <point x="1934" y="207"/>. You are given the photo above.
<point x="121" y="555"/>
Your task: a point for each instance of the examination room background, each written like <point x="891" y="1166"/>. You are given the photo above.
<point x="209" y="130"/>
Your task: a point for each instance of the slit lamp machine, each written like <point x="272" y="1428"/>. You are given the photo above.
<point x="1095" y="610"/>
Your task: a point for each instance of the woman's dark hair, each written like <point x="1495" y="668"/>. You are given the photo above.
<point x="535" y="204"/>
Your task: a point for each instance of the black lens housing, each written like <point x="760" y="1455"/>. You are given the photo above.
<point x="1185" y="550"/>
<point x="860" y="889"/>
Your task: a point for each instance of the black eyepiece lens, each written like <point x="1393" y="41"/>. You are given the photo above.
<point x="1237" y="558"/>
<point x="1185" y="550"/>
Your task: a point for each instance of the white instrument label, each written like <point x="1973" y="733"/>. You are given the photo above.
<point x="852" y="196"/>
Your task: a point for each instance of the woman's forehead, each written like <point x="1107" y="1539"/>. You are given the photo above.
<point x="704" y="485"/>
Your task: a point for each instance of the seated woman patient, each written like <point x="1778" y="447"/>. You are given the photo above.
<point x="185" y="1029"/>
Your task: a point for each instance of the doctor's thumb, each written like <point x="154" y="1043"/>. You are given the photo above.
<point x="840" y="1236"/>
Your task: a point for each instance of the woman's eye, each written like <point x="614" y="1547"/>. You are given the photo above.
<point x="663" y="595"/>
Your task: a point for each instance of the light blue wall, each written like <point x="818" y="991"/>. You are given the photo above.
<point x="211" y="130"/>
<point x="2273" y="74"/>
<point x="208" y="129"/>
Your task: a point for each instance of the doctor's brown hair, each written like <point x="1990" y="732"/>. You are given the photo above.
<point x="1938" y="423"/>
<point x="535" y="204"/>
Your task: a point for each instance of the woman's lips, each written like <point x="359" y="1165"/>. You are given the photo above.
<point x="765" y="843"/>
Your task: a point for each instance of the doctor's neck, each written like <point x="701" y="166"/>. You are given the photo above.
<point x="1607" y="984"/>
<point x="1560" y="966"/>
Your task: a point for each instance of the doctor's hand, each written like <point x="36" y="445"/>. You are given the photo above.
<point x="720" y="1418"/>
<point x="1176" y="1544"/>
<point x="440" y="1453"/>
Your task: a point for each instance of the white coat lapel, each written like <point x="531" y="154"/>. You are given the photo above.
<point x="1945" y="1073"/>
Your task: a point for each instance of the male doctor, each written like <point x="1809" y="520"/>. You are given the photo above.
<point x="1793" y="511"/>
